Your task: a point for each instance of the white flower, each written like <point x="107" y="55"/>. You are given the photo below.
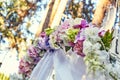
<point x="96" y="46"/>
<point x="91" y="34"/>
<point x="71" y="22"/>
<point x="16" y="76"/>
<point x="87" y="47"/>
<point x="103" y="56"/>
<point x="77" y="21"/>
<point x="52" y="42"/>
<point x="65" y="39"/>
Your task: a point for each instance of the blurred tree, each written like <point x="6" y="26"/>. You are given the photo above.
<point x="105" y="10"/>
<point x="82" y="9"/>
<point x="100" y="11"/>
<point x="12" y="13"/>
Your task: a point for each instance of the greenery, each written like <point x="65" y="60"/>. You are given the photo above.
<point x="106" y="39"/>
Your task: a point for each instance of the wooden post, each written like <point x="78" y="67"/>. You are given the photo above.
<point x="45" y="21"/>
<point x="109" y="19"/>
<point x="100" y="11"/>
<point x="53" y="15"/>
<point x="59" y="13"/>
<point x="54" y="10"/>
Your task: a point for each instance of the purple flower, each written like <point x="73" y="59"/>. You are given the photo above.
<point x="78" y="48"/>
<point x="43" y="43"/>
<point x="36" y="60"/>
<point x="83" y="24"/>
<point x="25" y="67"/>
<point x="79" y="37"/>
<point x="72" y="44"/>
<point x="43" y="34"/>
<point x="32" y="52"/>
<point x="101" y="33"/>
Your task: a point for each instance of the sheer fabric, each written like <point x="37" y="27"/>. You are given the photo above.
<point x="67" y="66"/>
<point x="44" y="68"/>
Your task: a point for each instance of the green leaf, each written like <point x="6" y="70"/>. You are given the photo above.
<point x="106" y="39"/>
<point x="48" y="31"/>
<point x="71" y="33"/>
<point x="67" y="48"/>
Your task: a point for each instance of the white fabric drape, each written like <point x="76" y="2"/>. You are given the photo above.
<point x="44" y="68"/>
<point x="65" y="68"/>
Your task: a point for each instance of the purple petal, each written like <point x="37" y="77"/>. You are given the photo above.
<point x="84" y="23"/>
<point x="77" y="26"/>
<point x="101" y="33"/>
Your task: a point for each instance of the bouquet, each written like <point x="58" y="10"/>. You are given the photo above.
<point x="75" y="36"/>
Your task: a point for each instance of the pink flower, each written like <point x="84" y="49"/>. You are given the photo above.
<point x="78" y="48"/>
<point x="36" y="60"/>
<point x="43" y="34"/>
<point x="25" y="68"/>
<point x="32" y="52"/>
<point x="101" y="33"/>
<point x="80" y="36"/>
<point x="71" y="44"/>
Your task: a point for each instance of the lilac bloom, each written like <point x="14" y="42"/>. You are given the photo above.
<point x="36" y="60"/>
<point x="32" y="52"/>
<point x="24" y="66"/>
<point x="84" y="23"/>
<point x="43" y="42"/>
<point x="79" y="37"/>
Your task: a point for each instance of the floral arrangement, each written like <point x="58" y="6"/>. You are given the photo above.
<point x="85" y="39"/>
<point x="34" y="54"/>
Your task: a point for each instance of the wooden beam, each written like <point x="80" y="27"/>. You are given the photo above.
<point x="46" y="18"/>
<point x="100" y="11"/>
<point x="59" y="13"/>
<point x="109" y="19"/>
<point x="54" y="10"/>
